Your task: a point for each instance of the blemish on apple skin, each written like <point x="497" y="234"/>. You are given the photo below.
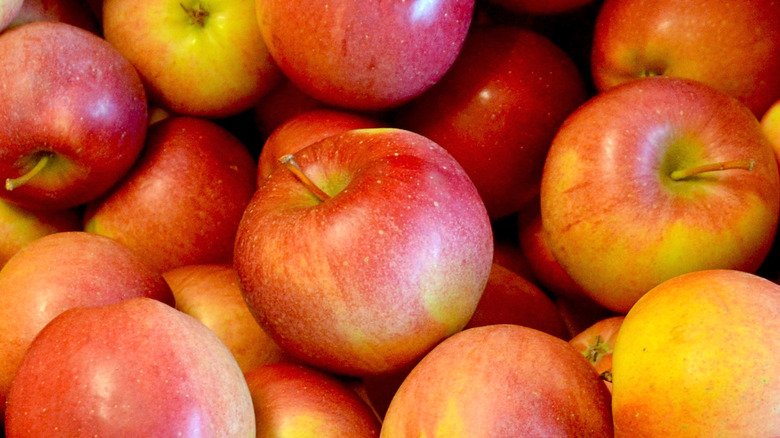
<point x="435" y="204"/>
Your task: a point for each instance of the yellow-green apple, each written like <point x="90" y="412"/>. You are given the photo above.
<point x="78" y="121"/>
<point x="212" y="295"/>
<point x="9" y="9"/>
<point x="509" y="298"/>
<point x="61" y="271"/>
<point x="182" y="202"/>
<point x="500" y="380"/>
<point x="304" y="129"/>
<point x="597" y="342"/>
<point x="770" y="124"/>
<point x="731" y="46"/>
<point x="364" y="55"/>
<point x="655" y="178"/>
<point x="129" y="369"/>
<point x="75" y="12"/>
<point x="365" y="250"/>
<point x="196" y="57"/>
<point x="19" y="226"/>
<point x="283" y="102"/>
<point x="698" y="356"/>
<point x="294" y="400"/>
<point x="497" y="109"/>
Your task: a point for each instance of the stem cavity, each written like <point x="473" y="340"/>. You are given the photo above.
<point x="292" y="165"/>
<point x="197" y="14"/>
<point x="13" y="183"/>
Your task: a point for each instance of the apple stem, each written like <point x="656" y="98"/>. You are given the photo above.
<point x="12" y="183"/>
<point x="681" y="174"/>
<point x="197" y="14"/>
<point x="292" y="165"/>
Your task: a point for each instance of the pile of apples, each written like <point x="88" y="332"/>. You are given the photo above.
<point x="410" y="218"/>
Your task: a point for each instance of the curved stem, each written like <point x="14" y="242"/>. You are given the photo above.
<point x="681" y="174"/>
<point x="292" y="165"/>
<point x="12" y="183"/>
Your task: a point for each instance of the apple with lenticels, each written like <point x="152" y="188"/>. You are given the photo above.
<point x="365" y="250"/>
<point x="655" y="178"/>
<point x="78" y="119"/>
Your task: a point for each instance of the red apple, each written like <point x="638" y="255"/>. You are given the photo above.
<point x="182" y="202"/>
<point x="390" y="256"/>
<point x="304" y="129"/>
<point x="78" y="119"/>
<point x="295" y="400"/>
<point x="597" y="342"/>
<point x="731" y="46"/>
<point x="75" y="12"/>
<point x="364" y="55"/>
<point x="580" y="313"/>
<point x="58" y="272"/>
<point x="283" y="102"/>
<point x="196" y="58"/>
<point x="510" y="256"/>
<point x="212" y="295"/>
<point x="130" y="369"/>
<point x="9" y="9"/>
<point x="19" y="226"/>
<point x="497" y="110"/>
<point x="656" y="178"/>
<point x="500" y="380"/>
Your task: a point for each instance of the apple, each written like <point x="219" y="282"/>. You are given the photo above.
<point x="500" y="380"/>
<point x="133" y="368"/>
<point x="511" y="256"/>
<point x="697" y="356"/>
<point x="729" y="46"/>
<point x="304" y="129"/>
<point x="770" y="124"/>
<point x="9" y="9"/>
<point x="364" y="251"/>
<point x="75" y="12"/>
<point x="597" y="343"/>
<point x="295" y="400"/>
<point x="212" y="295"/>
<point x="283" y="102"/>
<point x="655" y="178"/>
<point x="58" y="272"/>
<point x="196" y="58"/>
<point x="497" y="109"/>
<point x="78" y="119"/>
<point x="182" y="202"/>
<point x="364" y="55"/>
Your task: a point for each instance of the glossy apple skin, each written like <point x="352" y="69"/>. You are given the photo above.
<point x="497" y="110"/>
<point x="293" y="400"/>
<point x="500" y="380"/>
<point x="364" y="55"/>
<point x="75" y="96"/>
<point x="616" y="221"/>
<point x="9" y="9"/>
<point x="61" y="271"/>
<point x="134" y="368"/>
<point x="182" y="202"/>
<point x="697" y="356"/>
<point x="729" y="46"/>
<point x="19" y="226"/>
<point x="369" y="280"/>
<point x="75" y="12"/>
<point x="215" y="70"/>
<point x="212" y="295"/>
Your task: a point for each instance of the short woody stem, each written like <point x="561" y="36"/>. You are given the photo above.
<point x="682" y="174"/>
<point x="292" y="165"/>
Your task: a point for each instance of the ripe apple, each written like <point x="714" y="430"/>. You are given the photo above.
<point x="731" y="46"/>
<point x="182" y="202"/>
<point x="212" y="295"/>
<point x="75" y="12"/>
<point x="78" y="119"/>
<point x="283" y="102"/>
<point x="698" y="356"/>
<point x="294" y="400"/>
<point x="131" y="369"/>
<point x="597" y="342"/>
<point x="304" y="129"/>
<point x="58" y="272"/>
<point x="655" y="178"/>
<point x="497" y="109"/>
<point x="19" y="226"/>
<point x="196" y="58"/>
<point x="364" y="55"/>
<point x="770" y="124"/>
<point x="9" y="9"/>
<point x="369" y="252"/>
<point x="500" y="380"/>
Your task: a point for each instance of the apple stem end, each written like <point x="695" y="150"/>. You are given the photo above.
<point x="289" y="162"/>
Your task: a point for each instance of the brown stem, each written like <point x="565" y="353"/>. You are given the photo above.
<point x="681" y="174"/>
<point x="292" y="165"/>
<point x="12" y="183"/>
<point x="197" y="14"/>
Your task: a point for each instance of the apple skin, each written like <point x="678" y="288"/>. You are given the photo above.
<point x="75" y="12"/>
<point x="182" y="202"/>
<point x="597" y="343"/>
<point x="729" y="46"/>
<point x="134" y="368"/>
<point x="304" y="129"/>
<point x="294" y="400"/>
<point x="283" y="102"/>
<point x="75" y="97"/>
<point x="697" y="356"/>
<point x="497" y="109"/>
<point x="61" y="271"/>
<point x="212" y="295"/>
<point x="364" y="55"/>
<point x="500" y="380"/>
<point x="369" y="280"/>
<point x="215" y="69"/>
<point x="770" y="125"/>
<point x="615" y="219"/>
<point x="9" y="9"/>
<point x="19" y="226"/>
